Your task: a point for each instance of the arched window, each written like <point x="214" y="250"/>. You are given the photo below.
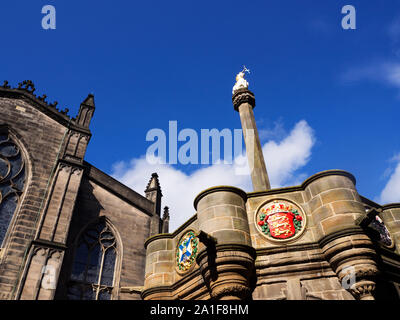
<point x="93" y="270"/>
<point x="12" y="180"/>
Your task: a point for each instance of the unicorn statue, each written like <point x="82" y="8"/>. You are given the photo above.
<point x="240" y="80"/>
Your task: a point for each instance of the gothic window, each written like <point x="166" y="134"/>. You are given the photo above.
<point x="12" y="180"/>
<point x="92" y="276"/>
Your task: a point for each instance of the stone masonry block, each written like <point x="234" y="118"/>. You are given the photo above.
<point x="157" y="245"/>
<point x="315" y="203"/>
<point x="231" y="236"/>
<point x="330" y="182"/>
<point x="336" y="223"/>
<point x="336" y="194"/>
<point x="343" y="207"/>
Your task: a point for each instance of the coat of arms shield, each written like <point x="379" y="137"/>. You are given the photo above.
<point x="186" y="251"/>
<point x="280" y="220"/>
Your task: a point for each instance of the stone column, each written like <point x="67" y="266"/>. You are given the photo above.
<point x="244" y="102"/>
<point x="335" y="206"/>
<point x="228" y="266"/>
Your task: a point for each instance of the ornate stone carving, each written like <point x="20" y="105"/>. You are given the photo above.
<point x="243" y="96"/>
<point x="186" y="252"/>
<point x="363" y="290"/>
<point x="280" y="220"/>
<point x="227" y="270"/>
<point x="65" y="111"/>
<point x="383" y="234"/>
<point x="230" y="291"/>
<point x="5" y="85"/>
<point x="241" y="82"/>
<point x="29" y="87"/>
<point x="352" y="254"/>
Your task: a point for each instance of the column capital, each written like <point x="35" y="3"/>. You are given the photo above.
<point x="243" y="95"/>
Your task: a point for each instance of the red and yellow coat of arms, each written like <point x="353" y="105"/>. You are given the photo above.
<point x="280" y="220"/>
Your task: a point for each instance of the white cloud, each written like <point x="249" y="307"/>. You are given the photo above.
<point x="283" y="158"/>
<point x="388" y="73"/>
<point x="391" y="192"/>
<point x="386" y="70"/>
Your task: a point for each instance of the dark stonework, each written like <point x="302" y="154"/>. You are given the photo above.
<point x="243" y="96"/>
<point x="63" y="195"/>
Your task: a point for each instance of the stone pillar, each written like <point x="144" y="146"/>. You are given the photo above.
<point x="160" y="254"/>
<point x="244" y="102"/>
<point x="227" y="267"/>
<point x="335" y="205"/>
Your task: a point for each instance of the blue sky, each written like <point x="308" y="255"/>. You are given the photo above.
<point x="151" y="62"/>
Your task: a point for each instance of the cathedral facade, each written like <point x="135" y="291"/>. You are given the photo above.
<point x="70" y="231"/>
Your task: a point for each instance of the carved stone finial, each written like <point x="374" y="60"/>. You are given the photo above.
<point x="42" y="98"/>
<point x="153" y="182"/>
<point x="27" y="85"/>
<point x="65" y="111"/>
<point x="89" y="101"/>
<point x="166" y="213"/>
<point x="54" y="104"/>
<point x="153" y="185"/>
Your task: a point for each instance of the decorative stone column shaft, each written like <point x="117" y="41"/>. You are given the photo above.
<point x="244" y="102"/>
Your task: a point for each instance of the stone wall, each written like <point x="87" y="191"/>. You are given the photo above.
<point x="40" y="137"/>
<point x="131" y="224"/>
<point x="162" y="280"/>
<point x="62" y="195"/>
<point x="244" y="263"/>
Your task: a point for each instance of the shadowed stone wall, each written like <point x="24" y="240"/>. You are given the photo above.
<point x="62" y="195"/>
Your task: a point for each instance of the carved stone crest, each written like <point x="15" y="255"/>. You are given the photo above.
<point x="280" y="220"/>
<point x="186" y="251"/>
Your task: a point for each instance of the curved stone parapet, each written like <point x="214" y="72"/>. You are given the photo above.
<point x="221" y="213"/>
<point x="333" y="201"/>
<point x="159" y="265"/>
<point x="335" y="206"/>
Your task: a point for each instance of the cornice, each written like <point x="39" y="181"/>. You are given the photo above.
<point x="208" y="191"/>
<point x="302" y="187"/>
